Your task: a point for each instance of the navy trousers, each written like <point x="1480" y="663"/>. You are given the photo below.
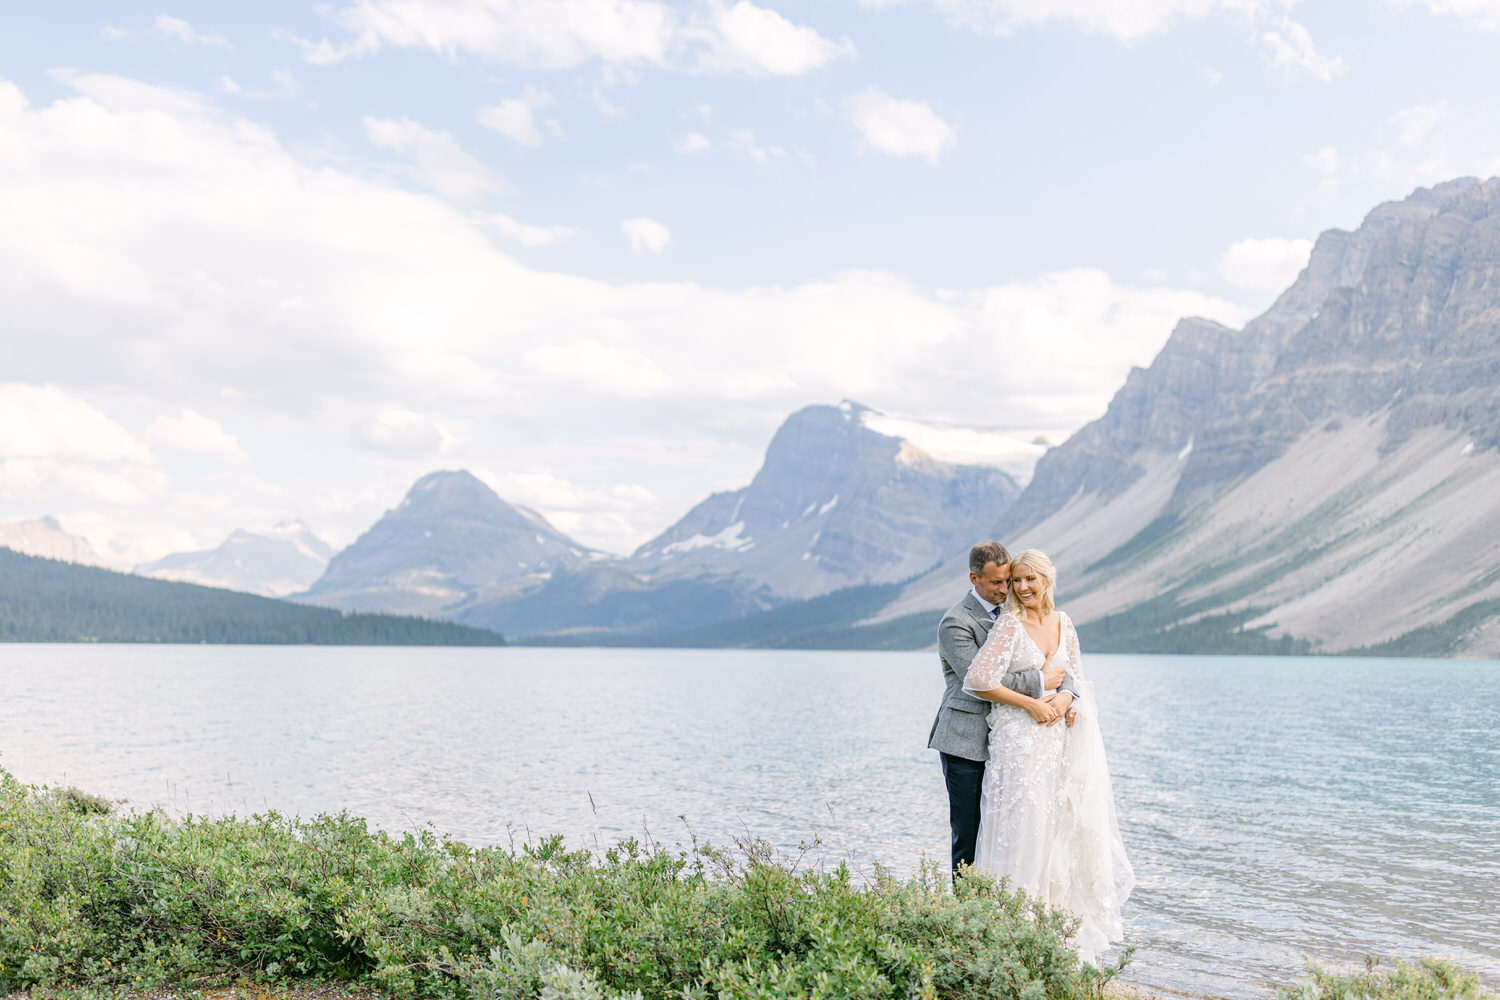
<point x="964" y="779"/>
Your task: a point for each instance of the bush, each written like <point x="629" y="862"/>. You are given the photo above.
<point x="98" y="901"/>
<point x="1428" y="979"/>
<point x="83" y="802"/>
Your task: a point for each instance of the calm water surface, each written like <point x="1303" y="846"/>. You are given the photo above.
<point x="1275" y="808"/>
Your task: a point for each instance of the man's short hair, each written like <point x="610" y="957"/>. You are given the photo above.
<point x="985" y="553"/>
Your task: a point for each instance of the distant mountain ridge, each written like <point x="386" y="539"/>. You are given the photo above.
<point x="284" y="560"/>
<point x="449" y="535"/>
<point x="45" y="600"/>
<point x="1254" y="490"/>
<point x="44" y="537"/>
<point x="836" y="504"/>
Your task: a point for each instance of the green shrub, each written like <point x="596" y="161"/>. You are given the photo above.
<point x="1427" y="979"/>
<point x="83" y="802"/>
<point x="98" y="901"/>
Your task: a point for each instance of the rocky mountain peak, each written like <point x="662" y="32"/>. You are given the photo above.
<point x="835" y="503"/>
<point x="276" y="562"/>
<point x="1411" y="333"/>
<point x="448" y="489"/>
<point x="44" y="536"/>
<point x="449" y="534"/>
<point x="1399" y="316"/>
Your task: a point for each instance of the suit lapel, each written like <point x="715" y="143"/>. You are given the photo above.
<point x="982" y="619"/>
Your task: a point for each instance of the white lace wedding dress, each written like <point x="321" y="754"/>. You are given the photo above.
<point x="1047" y="812"/>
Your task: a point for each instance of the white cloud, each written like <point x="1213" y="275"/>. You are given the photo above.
<point x="606" y="514"/>
<point x="1063" y="337"/>
<point x="646" y="235"/>
<point x="1291" y="50"/>
<point x="55" y="448"/>
<point x="438" y="161"/>
<point x="1416" y="127"/>
<point x="514" y="116"/>
<point x="1127" y="20"/>
<point x="178" y="30"/>
<point x="327" y="299"/>
<point x="743" y="140"/>
<point x="43" y="421"/>
<point x="546" y="34"/>
<point x="196" y="434"/>
<point x="1327" y="162"/>
<point x="120" y="93"/>
<point x="1264" y="265"/>
<point x="564" y="34"/>
<point x="900" y="127"/>
<point x="1286" y="42"/>
<point x="600" y="367"/>
<point x="401" y="433"/>
<point x="170" y="29"/>
<point x="1418" y="146"/>
<point x="694" y="142"/>
<point x="1485" y="13"/>
<point x="528" y="235"/>
<point x="744" y="38"/>
<point x="283" y="85"/>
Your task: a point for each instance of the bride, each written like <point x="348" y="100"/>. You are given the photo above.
<point x="1047" y="812"/>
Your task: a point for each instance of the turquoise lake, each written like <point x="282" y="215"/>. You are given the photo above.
<point x="1275" y="808"/>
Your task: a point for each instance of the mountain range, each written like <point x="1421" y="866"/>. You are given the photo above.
<point x="284" y="560"/>
<point x="836" y="504"/>
<point x="1322" y="480"/>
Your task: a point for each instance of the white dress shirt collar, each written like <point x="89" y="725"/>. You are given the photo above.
<point x="988" y="607"/>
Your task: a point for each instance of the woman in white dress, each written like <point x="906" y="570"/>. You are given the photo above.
<point x="1047" y="811"/>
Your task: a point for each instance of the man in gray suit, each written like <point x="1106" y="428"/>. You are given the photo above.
<point x="961" y="731"/>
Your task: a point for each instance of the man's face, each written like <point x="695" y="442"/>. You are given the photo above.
<point x="990" y="583"/>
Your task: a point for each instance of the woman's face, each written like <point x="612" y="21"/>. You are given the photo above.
<point x="1028" y="586"/>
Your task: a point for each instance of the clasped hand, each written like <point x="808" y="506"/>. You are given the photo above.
<point x="1052" y="709"/>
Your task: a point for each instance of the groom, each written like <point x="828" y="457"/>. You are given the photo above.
<point x="961" y="732"/>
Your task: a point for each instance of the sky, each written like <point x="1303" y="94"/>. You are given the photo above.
<point x="277" y="260"/>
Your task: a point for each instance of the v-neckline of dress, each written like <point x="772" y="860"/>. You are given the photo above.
<point x="1045" y="658"/>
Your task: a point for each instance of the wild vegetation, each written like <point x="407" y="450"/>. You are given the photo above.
<point x="96" y="902"/>
<point x="1427" y="979"/>
<point x="103" y="902"/>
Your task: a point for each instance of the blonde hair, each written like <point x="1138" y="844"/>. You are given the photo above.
<point x="1037" y="560"/>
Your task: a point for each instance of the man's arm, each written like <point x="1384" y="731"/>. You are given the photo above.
<point x="958" y="646"/>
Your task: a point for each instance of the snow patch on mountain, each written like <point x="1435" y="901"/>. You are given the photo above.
<point x="729" y="538"/>
<point x="1013" y="450"/>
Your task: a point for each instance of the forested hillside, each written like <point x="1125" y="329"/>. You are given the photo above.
<point x="42" y="600"/>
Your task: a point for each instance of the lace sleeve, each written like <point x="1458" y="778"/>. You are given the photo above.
<point x="1075" y="655"/>
<point x="992" y="662"/>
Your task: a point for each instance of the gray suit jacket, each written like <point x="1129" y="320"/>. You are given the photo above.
<point x="962" y="726"/>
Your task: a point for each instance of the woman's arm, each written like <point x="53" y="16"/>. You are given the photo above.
<point x="987" y="674"/>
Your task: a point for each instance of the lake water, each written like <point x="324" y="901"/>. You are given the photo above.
<point x="1275" y="808"/>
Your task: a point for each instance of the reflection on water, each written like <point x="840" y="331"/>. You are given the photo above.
<point x="1275" y="808"/>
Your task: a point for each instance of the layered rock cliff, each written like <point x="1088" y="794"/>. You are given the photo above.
<point x="1267" y="488"/>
